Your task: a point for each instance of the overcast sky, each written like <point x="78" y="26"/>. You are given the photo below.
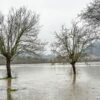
<point x="53" y="13"/>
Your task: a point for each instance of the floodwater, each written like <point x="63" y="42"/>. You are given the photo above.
<point x="51" y="82"/>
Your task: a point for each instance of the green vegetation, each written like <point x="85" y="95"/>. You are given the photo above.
<point x="12" y="90"/>
<point x="6" y="78"/>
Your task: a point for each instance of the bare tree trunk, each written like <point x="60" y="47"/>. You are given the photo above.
<point x="8" y="68"/>
<point x="74" y="68"/>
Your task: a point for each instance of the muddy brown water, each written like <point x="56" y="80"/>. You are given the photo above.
<point x="51" y="82"/>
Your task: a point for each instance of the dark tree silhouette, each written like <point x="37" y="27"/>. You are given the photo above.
<point x="72" y="44"/>
<point x="92" y="13"/>
<point x="19" y="33"/>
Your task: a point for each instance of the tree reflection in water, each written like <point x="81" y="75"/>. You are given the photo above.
<point x="74" y="79"/>
<point x="9" y="96"/>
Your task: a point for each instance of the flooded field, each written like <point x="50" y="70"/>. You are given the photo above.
<point x="51" y="82"/>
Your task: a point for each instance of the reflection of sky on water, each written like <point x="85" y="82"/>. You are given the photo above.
<point x="52" y="82"/>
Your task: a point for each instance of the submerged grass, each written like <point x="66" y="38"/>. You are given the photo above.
<point x="5" y="78"/>
<point x="12" y="90"/>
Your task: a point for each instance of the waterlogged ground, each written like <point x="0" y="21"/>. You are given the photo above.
<point x="51" y="82"/>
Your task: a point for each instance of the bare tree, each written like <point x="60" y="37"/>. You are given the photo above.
<point x="19" y="33"/>
<point x="92" y="13"/>
<point x="73" y="44"/>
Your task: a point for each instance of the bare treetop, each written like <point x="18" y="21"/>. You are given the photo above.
<point x="74" y="42"/>
<point x="19" y="26"/>
<point x="92" y="13"/>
